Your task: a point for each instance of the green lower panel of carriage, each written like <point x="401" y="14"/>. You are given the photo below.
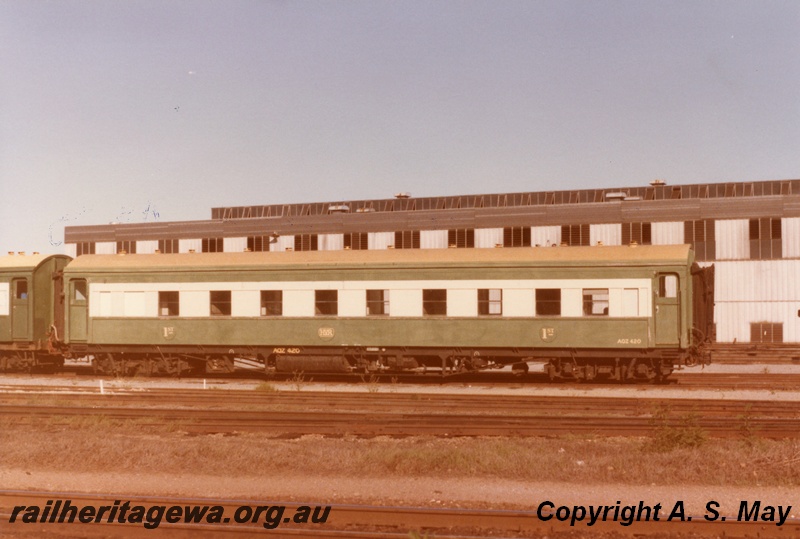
<point x="343" y="332"/>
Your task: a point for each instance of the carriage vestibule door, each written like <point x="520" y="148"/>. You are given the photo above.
<point x="78" y="310"/>
<point x="668" y="309"/>
<point x="20" y="310"/>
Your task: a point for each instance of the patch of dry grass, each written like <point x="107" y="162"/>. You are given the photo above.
<point x="105" y="445"/>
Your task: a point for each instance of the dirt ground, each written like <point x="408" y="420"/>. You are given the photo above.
<point x="406" y="491"/>
<point x="143" y="471"/>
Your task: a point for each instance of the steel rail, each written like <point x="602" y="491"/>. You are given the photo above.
<point x="687" y="378"/>
<point x="369" y="423"/>
<point x="450" y="403"/>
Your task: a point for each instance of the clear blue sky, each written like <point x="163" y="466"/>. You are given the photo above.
<point x="143" y="110"/>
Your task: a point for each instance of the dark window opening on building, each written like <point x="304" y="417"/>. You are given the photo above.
<point x="258" y="243"/>
<point x="84" y="248"/>
<point x="406" y="239"/>
<point x="575" y="235"/>
<point x="766" y="239"/>
<point x="306" y="242"/>
<point x="358" y="241"/>
<point x="702" y="237"/>
<point x="169" y="246"/>
<point x="517" y="236"/>
<point x="212" y="245"/>
<point x="126" y="247"/>
<point x="640" y="233"/>
<point x="766" y="332"/>
<point x="461" y="237"/>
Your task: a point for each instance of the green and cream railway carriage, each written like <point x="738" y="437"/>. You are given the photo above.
<point x="621" y="312"/>
<point x="31" y="310"/>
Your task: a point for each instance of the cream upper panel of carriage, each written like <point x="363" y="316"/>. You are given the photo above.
<point x="468" y="298"/>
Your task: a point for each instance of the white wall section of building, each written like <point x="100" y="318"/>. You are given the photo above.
<point x="608" y="234"/>
<point x="732" y="237"/>
<point x="487" y="238"/>
<point x="234" y="245"/>
<point x="790" y="237"/>
<point x="105" y="248"/>
<point x="380" y="240"/>
<point x="330" y="242"/>
<point x="146" y="247"/>
<point x="544" y="236"/>
<point x="667" y="233"/>
<point x="196" y="245"/>
<point x="433" y="239"/>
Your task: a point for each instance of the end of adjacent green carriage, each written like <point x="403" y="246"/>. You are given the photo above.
<point x="31" y="309"/>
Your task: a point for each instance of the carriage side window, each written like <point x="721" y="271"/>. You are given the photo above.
<point x="377" y="302"/>
<point x="21" y="289"/>
<point x="548" y="302"/>
<point x="79" y="291"/>
<point x="668" y="286"/>
<point x="168" y="303"/>
<point x="434" y="302"/>
<point x="595" y="301"/>
<point x="220" y="303"/>
<point x="326" y="302"/>
<point x="490" y="302"/>
<point x="271" y="302"/>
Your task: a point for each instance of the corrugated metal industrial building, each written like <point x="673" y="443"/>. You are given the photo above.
<point x="749" y="231"/>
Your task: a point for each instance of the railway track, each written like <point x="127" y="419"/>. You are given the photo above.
<point x="352" y="521"/>
<point x="738" y="380"/>
<point x="407" y="402"/>
<point x="336" y="414"/>
<point x="690" y="378"/>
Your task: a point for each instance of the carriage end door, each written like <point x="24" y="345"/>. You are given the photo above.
<point x="78" y="310"/>
<point x="20" y="310"/>
<point x="668" y="309"/>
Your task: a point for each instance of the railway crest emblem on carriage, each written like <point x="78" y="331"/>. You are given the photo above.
<point x="326" y="333"/>
<point x="547" y="334"/>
